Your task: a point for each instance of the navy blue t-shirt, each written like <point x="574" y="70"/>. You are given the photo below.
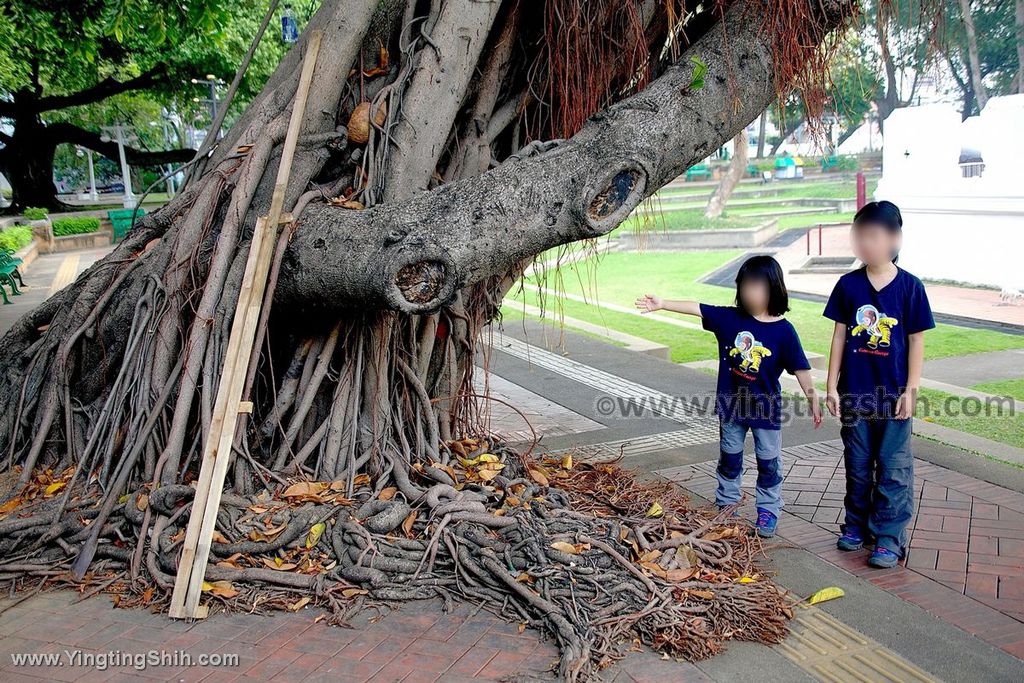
<point x="878" y="324"/>
<point x="752" y="355"/>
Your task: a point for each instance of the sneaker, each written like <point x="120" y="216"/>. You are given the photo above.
<point x="850" y="540"/>
<point x="883" y="558"/>
<point x="766" y="523"/>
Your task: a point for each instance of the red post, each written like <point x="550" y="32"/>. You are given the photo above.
<point x="808" y="241"/>
<point x="862" y="190"/>
<point x="819" y="239"/>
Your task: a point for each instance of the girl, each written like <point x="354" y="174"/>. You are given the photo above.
<point x="755" y="345"/>
<point x="874" y="373"/>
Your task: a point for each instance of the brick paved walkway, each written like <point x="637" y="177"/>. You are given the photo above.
<point x="966" y="556"/>
<point x="416" y="643"/>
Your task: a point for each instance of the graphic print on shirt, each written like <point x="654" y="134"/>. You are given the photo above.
<point x="878" y="327"/>
<point x="750" y="350"/>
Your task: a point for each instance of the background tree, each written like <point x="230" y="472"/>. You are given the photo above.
<point x="61" y="59"/>
<point x="444" y="146"/>
<point x="995" y="42"/>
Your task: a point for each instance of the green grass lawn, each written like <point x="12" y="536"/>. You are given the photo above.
<point x="687" y="219"/>
<point x="511" y="314"/>
<point x="619" y="278"/>
<point x="785" y="189"/>
<point x="1005" y="428"/>
<point x="693" y="219"/>
<point x="809" y="220"/>
<point x="1014" y="388"/>
<point x="737" y="214"/>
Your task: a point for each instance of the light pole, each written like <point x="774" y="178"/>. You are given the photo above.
<point x="119" y="131"/>
<point x="212" y="101"/>
<point x="167" y="142"/>
<point x="93" y="194"/>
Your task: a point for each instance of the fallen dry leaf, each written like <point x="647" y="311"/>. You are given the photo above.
<point x="222" y="589"/>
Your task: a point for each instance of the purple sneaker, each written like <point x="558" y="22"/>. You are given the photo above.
<point x="850" y="540"/>
<point x="883" y="558"/>
<point x="766" y="523"/>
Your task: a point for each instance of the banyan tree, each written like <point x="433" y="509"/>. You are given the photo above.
<point x="443" y="146"/>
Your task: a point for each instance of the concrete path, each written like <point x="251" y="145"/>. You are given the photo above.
<point x="976" y="368"/>
<point x="45" y="276"/>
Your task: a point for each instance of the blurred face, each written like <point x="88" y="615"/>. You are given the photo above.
<point x="754" y="294"/>
<point x="874" y="244"/>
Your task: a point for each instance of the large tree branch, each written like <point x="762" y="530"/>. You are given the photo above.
<point x="108" y="87"/>
<point x="440" y="78"/>
<point x="72" y="134"/>
<point x="413" y="255"/>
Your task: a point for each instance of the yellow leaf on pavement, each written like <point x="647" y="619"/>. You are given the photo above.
<point x="826" y="594"/>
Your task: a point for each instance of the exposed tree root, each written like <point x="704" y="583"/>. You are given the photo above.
<point x="352" y="482"/>
<point x="580" y="551"/>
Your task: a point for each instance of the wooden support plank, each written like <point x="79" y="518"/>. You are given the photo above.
<point x="195" y="554"/>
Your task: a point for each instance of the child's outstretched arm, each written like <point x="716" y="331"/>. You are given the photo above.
<point x="915" y="361"/>
<point x="835" y="361"/>
<point x="649" y="303"/>
<point x="807" y="384"/>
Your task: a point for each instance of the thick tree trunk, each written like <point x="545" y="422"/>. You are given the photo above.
<point x="732" y="177"/>
<point x="27" y="162"/>
<point x="973" y="61"/>
<point x="27" y="156"/>
<point x="1019" y="26"/>
<point x="762" y="129"/>
<point x="363" y="379"/>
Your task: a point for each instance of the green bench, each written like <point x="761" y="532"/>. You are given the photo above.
<point x="9" y="273"/>
<point x="828" y="163"/>
<point x="699" y="171"/>
<point x="121" y="220"/>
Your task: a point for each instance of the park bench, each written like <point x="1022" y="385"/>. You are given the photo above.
<point x="9" y="273"/>
<point x="121" y="221"/>
<point x="699" y="171"/>
<point x="828" y="163"/>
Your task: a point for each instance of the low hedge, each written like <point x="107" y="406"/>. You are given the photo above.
<point x="15" y="238"/>
<point x="34" y="213"/>
<point x="79" y="225"/>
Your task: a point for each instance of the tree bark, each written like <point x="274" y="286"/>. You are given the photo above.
<point x="365" y="376"/>
<point x="974" y="62"/>
<point x="1019" y="26"/>
<point x="414" y="255"/>
<point x="762" y="129"/>
<point x="27" y="157"/>
<point x="737" y="169"/>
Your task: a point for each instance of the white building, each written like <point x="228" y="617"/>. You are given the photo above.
<point x="960" y="187"/>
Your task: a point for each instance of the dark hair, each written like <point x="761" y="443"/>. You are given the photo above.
<point x="884" y="214"/>
<point x="765" y="269"/>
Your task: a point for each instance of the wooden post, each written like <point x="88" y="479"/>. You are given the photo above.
<point x="188" y="583"/>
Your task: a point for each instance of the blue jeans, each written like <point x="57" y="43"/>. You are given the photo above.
<point x="879" y="480"/>
<point x="767" y="448"/>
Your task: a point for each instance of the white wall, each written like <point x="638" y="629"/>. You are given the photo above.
<point x="967" y="230"/>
